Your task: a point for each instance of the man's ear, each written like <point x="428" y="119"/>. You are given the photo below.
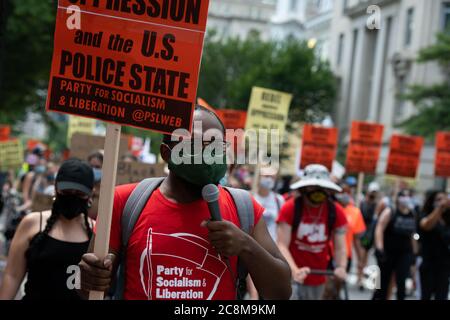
<point x="165" y="152"/>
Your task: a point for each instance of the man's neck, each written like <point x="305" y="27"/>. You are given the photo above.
<point x="179" y="191"/>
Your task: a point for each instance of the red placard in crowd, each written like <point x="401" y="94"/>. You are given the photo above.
<point x="404" y="156"/>
<point x="5" y="132"/>
<point x="232" y="119"/>
<point x="130" y="63"/>
<point x="442" y="158"/>
<point x="364" y="147"/>
<point x="319" y="146"/>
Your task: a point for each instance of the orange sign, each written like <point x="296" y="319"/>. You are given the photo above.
<point x="233" y="119"/>
<point x="134" y="63"/>
<point x="319" y="146"/>
<point x="404" y="156"/>
<point x="442" y="158"/>
<point x="364" y="147"/>
<point x="5" y="132"/>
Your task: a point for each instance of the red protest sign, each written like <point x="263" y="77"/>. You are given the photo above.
<point x="404" y="156"/>
<point x="232" y="119"/>
<point x="5" y="132"/>
<point x="364" y="147"/>
<point x="442" y="158"/>
<point x="130" y="63"/>
<point x="319" y="146"/>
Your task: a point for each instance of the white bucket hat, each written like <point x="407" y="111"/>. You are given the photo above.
<point x="316" y="175"/>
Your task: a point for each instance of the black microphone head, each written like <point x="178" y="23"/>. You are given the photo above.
<point x="210" y="193"/>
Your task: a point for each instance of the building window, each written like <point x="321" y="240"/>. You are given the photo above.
<point x="446" y="16"/>
<point x="293" y="5"/>
<point x="409" y="26"/>
<point x="340" y="49"/>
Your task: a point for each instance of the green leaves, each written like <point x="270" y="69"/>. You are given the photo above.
<point x="231" y="68"/>
<point x="26" y="51"/>
<point x="432" y="102"/>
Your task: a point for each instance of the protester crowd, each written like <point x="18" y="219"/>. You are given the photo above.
<point x="309" y="232"/>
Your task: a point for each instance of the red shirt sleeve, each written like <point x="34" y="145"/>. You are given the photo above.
<point x="287" y="212"/>
<point x="341" y="220"/>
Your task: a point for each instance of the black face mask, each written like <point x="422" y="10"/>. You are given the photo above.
<point x="70" y="206"/>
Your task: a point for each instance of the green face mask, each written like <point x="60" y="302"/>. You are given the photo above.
<point x="199" y="174"/>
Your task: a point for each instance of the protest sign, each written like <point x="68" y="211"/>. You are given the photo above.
<point x="364" y="147"/>
<point x="82" y="145"/>
<point x="81" y="125"/>
<point x="5" y="132"/>
<point x="41" y="202"/>
<point x="319" y="146"/>
<point x="232" y="119"/>
<point x="268" y="109"/>
<point x="128" y="63"/>
<point x="131" y="172"/>
<point x="442" y="158"/>
<point x="11" y="154"/>
<point x="291" y="150"/>
<point x="404" y="156"/>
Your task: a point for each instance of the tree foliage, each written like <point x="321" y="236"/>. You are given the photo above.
<point x="25" y="56"/>
<point x="432" y="102"/>
<point x="230" y="68"/>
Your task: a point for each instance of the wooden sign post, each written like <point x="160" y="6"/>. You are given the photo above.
<point x="359" y="189"/>
<point x="105" y="206"/>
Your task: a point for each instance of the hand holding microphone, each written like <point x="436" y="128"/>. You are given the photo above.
<point x="224" y="236"/>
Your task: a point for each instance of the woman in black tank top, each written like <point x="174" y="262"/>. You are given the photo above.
<point x="393" y="243"/>
<point x="47" y="253"/>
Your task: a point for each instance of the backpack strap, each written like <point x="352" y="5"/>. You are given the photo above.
<point x="331" y="218"/>
<point x="298" y="203"/>
<point x="131" y="212"/>
<point x="245" y="210"/>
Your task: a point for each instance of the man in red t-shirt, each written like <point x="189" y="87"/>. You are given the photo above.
<point x="306" y="247"/>
<point x="174" y="251"/>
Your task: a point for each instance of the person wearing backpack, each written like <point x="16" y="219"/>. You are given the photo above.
<point x="166" y="245"/>
<point x="394" y="245"/>
<point x="307" y="224"/>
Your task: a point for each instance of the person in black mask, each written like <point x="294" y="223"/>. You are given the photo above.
<point x="47" y="243"/>
<point x="434" y="231"/>
<point x="393" y="244"/>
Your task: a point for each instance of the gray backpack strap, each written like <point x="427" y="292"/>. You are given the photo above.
<point x="245" y="210"/>
<point x="131" y="212"/>
<point x="244" y="206"/>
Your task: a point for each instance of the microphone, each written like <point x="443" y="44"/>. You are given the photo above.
<point x="210" y="194"/>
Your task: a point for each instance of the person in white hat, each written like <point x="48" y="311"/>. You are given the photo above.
<point x="306" y="225"/>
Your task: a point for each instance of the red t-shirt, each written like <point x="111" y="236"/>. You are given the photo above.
<point x="169" y="256"/>
<point x="309" y="244"/>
